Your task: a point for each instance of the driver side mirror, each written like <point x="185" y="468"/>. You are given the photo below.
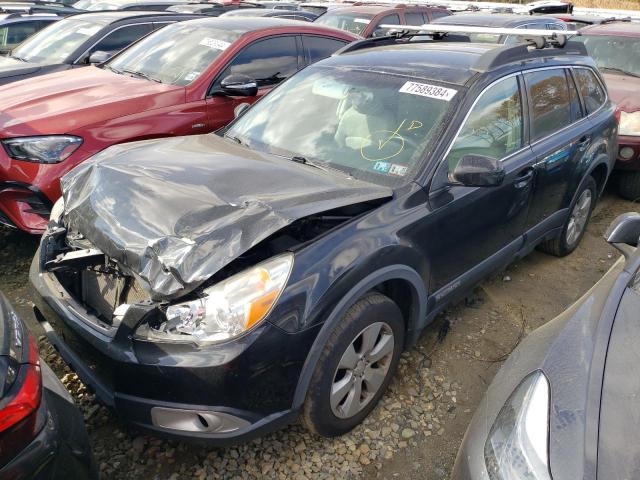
<point x="239" y="86"/>
<point x="477" y="171"/>
<point x="99" y="56"/>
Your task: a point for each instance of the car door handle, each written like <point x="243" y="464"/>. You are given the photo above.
<point x="524" y="178"/>
<point x="584" y="142"/>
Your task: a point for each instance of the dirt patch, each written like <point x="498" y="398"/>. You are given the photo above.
<point x="416" y="430"/>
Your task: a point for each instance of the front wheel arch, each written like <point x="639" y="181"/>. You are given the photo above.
<point x="377" y="279"/>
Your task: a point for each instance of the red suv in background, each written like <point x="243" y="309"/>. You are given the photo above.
<point x="186" y="78"/>
<point x="365" y="19"/>
<point x="616" y="49"/>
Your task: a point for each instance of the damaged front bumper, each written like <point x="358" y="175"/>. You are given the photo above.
<point x="224" y="393"/>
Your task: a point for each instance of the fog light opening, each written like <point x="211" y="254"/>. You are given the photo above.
<point x="626" y="153"/>
<point x="203" y="421"/>
<point x="197" y="421"/>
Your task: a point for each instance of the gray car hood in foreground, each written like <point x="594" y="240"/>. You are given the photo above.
<point x="175" y="211"/>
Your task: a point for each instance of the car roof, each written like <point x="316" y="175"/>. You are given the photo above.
<point x="489" y="20"/>
<point x="142" y="2"/>
<point x="451" y="62"/>
<point x="376" y="9"/>
<point x="251" y="24"/>
<point x="6" y="18"/>
<point x="117" y="15"/>
<point x="627" y="29"/>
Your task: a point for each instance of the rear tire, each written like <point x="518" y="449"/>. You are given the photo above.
<point x="629" y="186"/>
<point x="355" y="367"/>
<point x="573" y="230"/>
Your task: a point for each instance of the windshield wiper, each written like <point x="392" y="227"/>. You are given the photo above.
<point x="110" y="68"/>
<point x="238" y="140"/>
<point x="141" y="75"/>
<point x="306" y="161"/>
<point x="17" y="58"/>
<point x="620" y="70"/>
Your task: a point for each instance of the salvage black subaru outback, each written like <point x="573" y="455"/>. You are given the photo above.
<point x="218" y="286"/>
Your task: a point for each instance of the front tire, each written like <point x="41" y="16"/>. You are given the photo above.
<point x="355" y="367"/>
<point x="629" y="186"/>
<point x="577" y="221"/>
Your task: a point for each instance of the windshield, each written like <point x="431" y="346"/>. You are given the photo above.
<point x="176" y="54"/>
<point x="56" y="42"/>
<point x="620" y="54"/>
<point x="372" y="126"/>
<point x="351" y="22"/>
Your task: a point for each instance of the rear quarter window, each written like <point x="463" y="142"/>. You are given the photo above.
<point x="590" y="89"/>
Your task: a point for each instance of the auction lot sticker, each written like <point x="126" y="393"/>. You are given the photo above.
<point x="214" y="43"/>
<point x="426" y="90"/>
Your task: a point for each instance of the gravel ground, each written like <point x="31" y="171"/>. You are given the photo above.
<point x="417" y="428"/>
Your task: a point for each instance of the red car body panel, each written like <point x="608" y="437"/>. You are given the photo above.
<point x="623" y="89"/>
<point x="105" y="108"/>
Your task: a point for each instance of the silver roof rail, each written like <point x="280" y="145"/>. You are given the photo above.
<point x="538" y="37"/>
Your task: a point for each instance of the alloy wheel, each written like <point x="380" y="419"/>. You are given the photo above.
<point x="362" y="370"/>
<point x="578" y="218"/>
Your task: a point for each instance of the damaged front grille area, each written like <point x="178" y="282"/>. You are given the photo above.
<point x="103" y="291"/>
<point x="92" y="279"/>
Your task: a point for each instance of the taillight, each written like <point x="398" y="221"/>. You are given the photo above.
<point x="19" y="420"/>
<point x="27" y="398"/>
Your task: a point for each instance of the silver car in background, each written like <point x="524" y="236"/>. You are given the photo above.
<point x="565" y="404"/>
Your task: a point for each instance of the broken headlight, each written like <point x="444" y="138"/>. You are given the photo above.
<point x="226" y="310"/>
<point x="42" y="149"/>
<point x="56" y="212"/>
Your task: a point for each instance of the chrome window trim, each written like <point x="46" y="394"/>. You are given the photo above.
<point x="75" y="62"/>
<point x="466" y="117"/>
<point x="529" y="144"/>
<point x="587" y="116"/>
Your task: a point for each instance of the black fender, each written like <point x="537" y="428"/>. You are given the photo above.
<point x="415" y="324"/>
<point x="602" y="158"/>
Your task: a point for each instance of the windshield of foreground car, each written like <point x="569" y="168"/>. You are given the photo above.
<point x="56" y="42"/>
<point x="373" y="126"/>
<point x="617" y="54"/>
<point x="351" y="22"/>
<point x="176" y="54"/>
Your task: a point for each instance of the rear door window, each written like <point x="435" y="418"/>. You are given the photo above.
<point x="318" y="48"/>
<point x="415" y="18"/>
<point x="590" y="89"/>
<point x="549" y="103"/>
<point x="121" y="37"/>
<point x="387" y="20"/>
<point x="15" y="33"/>
<point x="267" y="61"/>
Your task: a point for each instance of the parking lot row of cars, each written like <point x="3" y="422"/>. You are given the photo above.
<point x="215" y="286"/>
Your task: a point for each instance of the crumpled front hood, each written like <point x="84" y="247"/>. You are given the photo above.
<point x="623" y="90"/>
<point x="62" y="102"/>
<point x="175" y="211"/>
<point x="10" y="67"/>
